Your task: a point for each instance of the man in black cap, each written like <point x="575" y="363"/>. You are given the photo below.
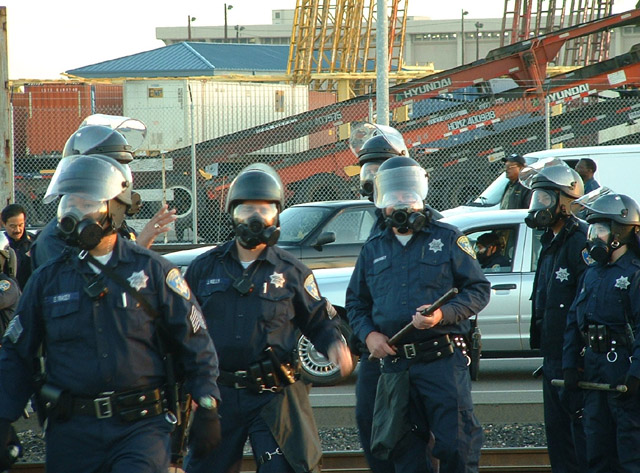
<point x="515" y="196"/>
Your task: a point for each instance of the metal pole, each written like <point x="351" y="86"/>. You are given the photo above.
<point x="194" y="191"/>
<point x="382" y="64"/>
<point x="547" y="122"/>
<point x="225" y="22"/>
<point x="188" y="27"/>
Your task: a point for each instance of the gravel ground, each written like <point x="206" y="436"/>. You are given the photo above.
<point x="496" y="436"/>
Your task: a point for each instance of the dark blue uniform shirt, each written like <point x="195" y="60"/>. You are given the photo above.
<point x="108" y="344"/>
<point x="609" y="295"/>
<point x="284" y="298"/>
<point x="390" y="281"/>
<point x="562" y="261"/>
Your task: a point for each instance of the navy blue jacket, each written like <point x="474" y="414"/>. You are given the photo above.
<point x="609" y="295"/>
<point x="391" y="281"/>
<point x="21" y="248"/>
<point x="9" y="296"/>
<point x="562" y="261"/>
<point x="110" y="344"/>
<point x="284" y="298"/>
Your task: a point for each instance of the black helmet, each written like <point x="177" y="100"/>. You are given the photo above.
<point x="618" y="208"/>
<point x="99" y="139"/>
<point x="553" y="174"/>
<point x="256" y="183"/>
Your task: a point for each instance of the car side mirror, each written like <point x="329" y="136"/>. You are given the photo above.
<point x="323" y="239"/>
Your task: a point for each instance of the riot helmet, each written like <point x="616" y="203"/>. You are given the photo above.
<point x="95" y="194"/>
<point x="254" y="201"/>
<point x="614" y="220"/>
<point x="555" y="185"/>
<point x="400" y="188"/>
<point x="8" y="258"/>
<point x="378" y="143"/>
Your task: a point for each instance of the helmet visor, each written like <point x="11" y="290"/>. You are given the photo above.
<point x="362" y="132"/>
<point x="133" y="130"/>
<point x="54" y="186"/>
<point x="599" y="231"/>
<point x="528" y="174"/>
<point x="586" y="202"/>
<point x="94" y="177"/>
<point x="403" y="187"/>
<point x="81" y="208"/>
<point x="265" y="211"/>
<point x="543" y="199"/>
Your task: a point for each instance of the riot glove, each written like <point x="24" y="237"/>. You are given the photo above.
<point x="10" y="447"/>
<point x="571" y="378"/>
<point x="205" y="433"/>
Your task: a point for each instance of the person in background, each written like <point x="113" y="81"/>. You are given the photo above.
<point x="14" y="220"/>
<point x="563" y="258"/>
<point x="489" y="253"/>
<point x="599" y="344"/>
<point x="515" y="196"/>
<point x="587" y="168"/>
<point x="100" y="139"/>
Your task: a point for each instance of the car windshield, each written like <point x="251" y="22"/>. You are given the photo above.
<point x="297" y="222"/>
<point x="492" y="194"/>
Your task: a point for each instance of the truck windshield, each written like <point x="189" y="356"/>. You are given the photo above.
<point x="491" y="195"/>
<point x="298" y="222"/>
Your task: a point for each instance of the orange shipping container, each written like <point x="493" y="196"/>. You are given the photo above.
<point x="55" y="110"/>
<point x="316" y="100"/>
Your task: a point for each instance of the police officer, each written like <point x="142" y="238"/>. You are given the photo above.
<point x="562" y="261"/>
<point x="106" y="319"/>
<point x="9" y="288"/>
<point x="255" y="297"/>
<point x="103" y="135"/>
<point x="606" y="315"/>
<point x="489" y="253"/>
<point x="401" y="271"/>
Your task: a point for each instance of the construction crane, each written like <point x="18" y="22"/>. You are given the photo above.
<point x="525" y="19"/>
<point x="333" y="41"/>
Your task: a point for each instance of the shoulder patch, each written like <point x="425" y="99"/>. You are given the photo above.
<point x="14" y="330"/>
<point x="4" y="285"/>
<point x="463" y="243"/>
<point x="311" y="287"/>
<point x="177" y="284"/>
<point x="588" y="260"/>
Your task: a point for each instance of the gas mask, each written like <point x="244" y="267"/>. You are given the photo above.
<point x="82" y="222"/>
<point x="255" y="223"/>
<point x="543" y="211"/>
<point x="406" y="220"/>
<point x="482" y="254"/>
<point x="367" y="173"/>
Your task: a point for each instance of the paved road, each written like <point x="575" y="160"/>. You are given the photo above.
<point x="505" y="393"/>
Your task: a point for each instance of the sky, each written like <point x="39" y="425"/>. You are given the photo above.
<point x="46" y="38"/>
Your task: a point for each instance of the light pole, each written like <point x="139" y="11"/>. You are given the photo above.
<point x="238" y="30"/>
<point x="464" y="12"/>
<point x="189" y="20"/>
<point x="226" y="7"/>
<point x="478" y="25"/>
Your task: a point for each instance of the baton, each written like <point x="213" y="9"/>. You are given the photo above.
<point x="409" y="328"/>
<point x="620" y="388"/>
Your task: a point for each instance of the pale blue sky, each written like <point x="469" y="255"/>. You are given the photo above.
<point x="47" y="37"/>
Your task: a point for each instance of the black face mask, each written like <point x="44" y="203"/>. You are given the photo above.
<point x="84" y="234"/>
<point x="541" y="218"/>
<point x="254" y="232"/>
<point x="405" y="221"/>
<point x="366" y="189"/>
<point x="599" y="251"/>
<point x="482" y="256"/>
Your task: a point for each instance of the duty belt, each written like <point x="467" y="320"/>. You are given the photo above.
<point x="128" y="406"/>
<point x="258" y="380"/>
<point x="433" y="349"/>
<point x="602" y="339"/>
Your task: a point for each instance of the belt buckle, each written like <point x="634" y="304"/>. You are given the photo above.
<point x="104" y="408"/>
<point x="239" y="374"/>
<point x="409" y="351"/>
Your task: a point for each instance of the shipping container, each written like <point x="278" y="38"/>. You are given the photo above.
<point x="219" y="108"/>
<point x="319" y="99"/>
<point x="53" y="111"/>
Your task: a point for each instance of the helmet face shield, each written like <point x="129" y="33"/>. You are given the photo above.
<point x="368" y="172"/>
<point x="81" y="208"/>
<point x="362" y="132"/>
<point x="599" y="231"/>
<point x="133" y="130"/>
<point x="543" y="199"/>
<point x="405" y="186"/>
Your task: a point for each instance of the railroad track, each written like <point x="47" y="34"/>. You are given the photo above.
<point x="493" y="460"/>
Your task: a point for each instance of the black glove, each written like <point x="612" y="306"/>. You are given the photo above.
<point x="571" y="378"/>
<point x="10" y="447"/>
<point x="633" y="386"/>
<point x="205" y="433"/>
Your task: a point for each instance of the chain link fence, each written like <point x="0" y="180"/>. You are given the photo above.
<point x="304" y="135"/>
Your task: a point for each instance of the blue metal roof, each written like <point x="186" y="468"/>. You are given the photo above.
<point x="192" y="59"/>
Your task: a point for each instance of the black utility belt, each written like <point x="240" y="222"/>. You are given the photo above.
<point x="602" y="339"/>
<point x="261" y="377"/>
<point x="128" y="406"/>
<point x="433" y="349"/>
